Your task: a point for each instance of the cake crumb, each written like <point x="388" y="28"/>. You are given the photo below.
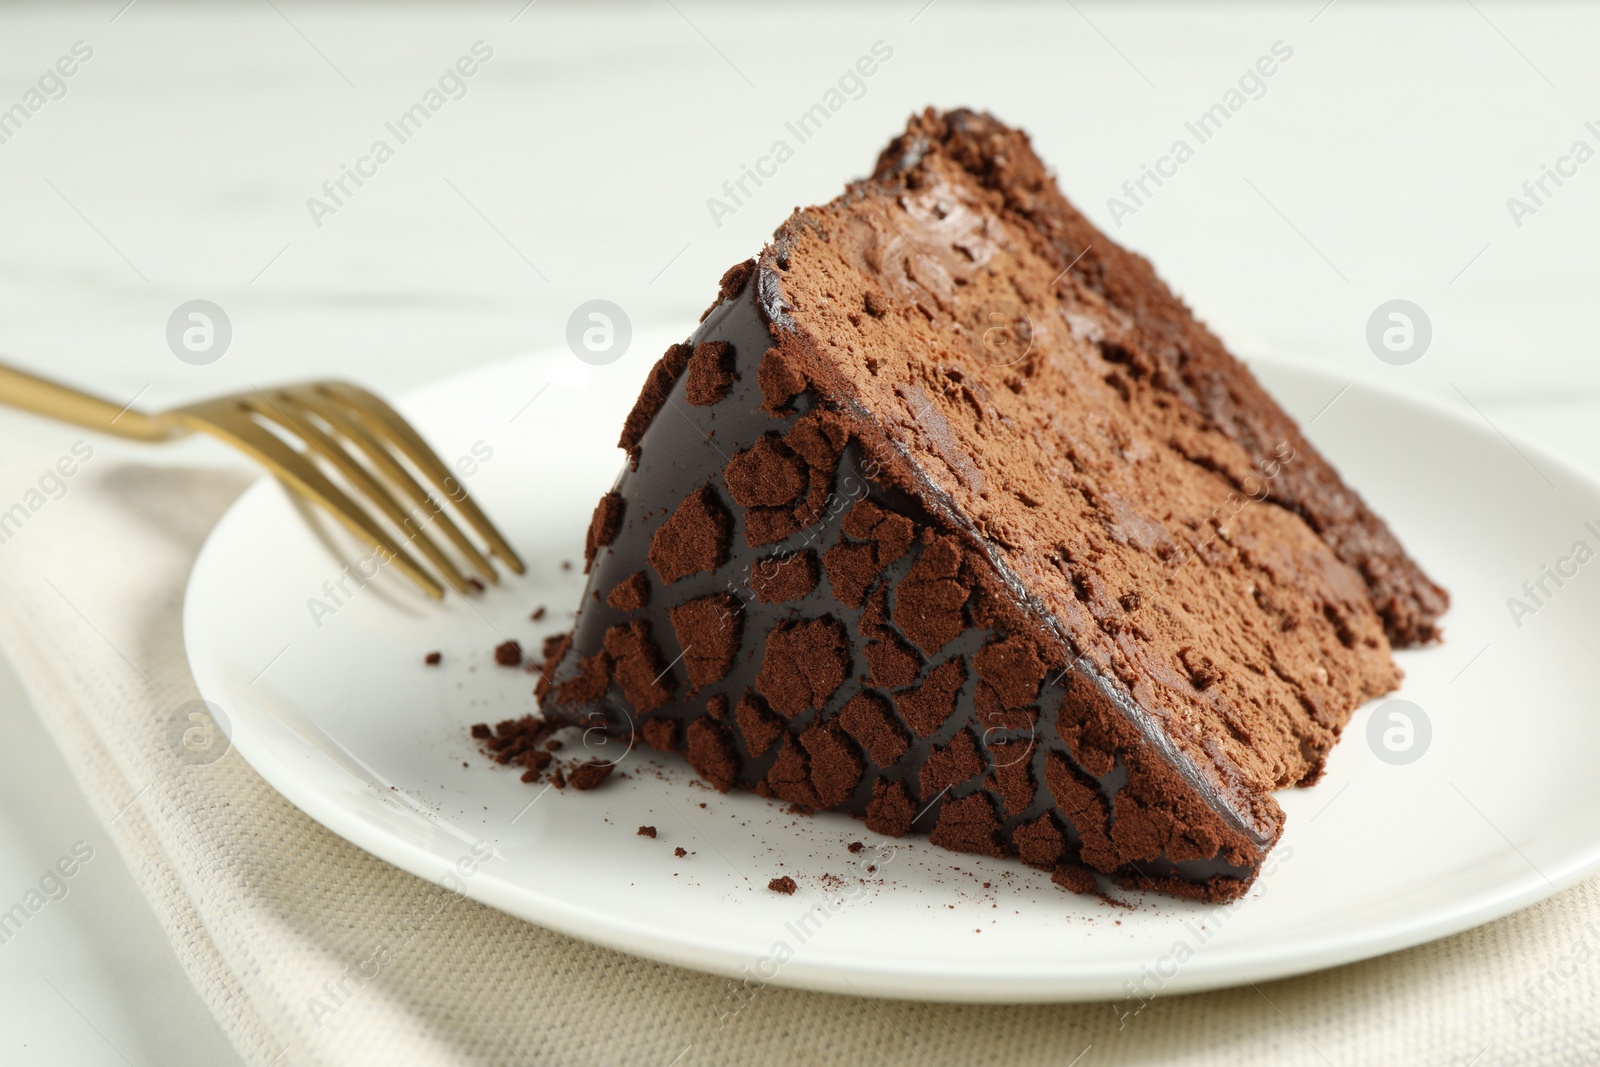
<point x="481" y="731"/>
<point x="538" y="613"/>
<point x="432" y="659"/>
<point x="647" y="831"/>
<point x="477" y="586"/>
<point x="1077" y="878"/>
<point x="589" y="775"/>
<point x="509" y="654"/>
<point x="856" y="846"/>
<point x="1082" y="880"/>
<point x="784" y="885"/>
<point x="680" y="852"/>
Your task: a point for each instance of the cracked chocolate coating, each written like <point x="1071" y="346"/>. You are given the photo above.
<point x="902" y="741"/>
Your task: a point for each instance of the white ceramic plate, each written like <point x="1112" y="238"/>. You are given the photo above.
<point x="334" y="707"/>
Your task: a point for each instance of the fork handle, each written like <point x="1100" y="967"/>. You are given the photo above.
<point x="41" y="396"/>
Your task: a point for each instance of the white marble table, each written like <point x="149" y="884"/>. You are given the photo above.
<point x="576" y="162"/>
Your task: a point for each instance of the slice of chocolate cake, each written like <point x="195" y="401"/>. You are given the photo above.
<point x="952" y="517"/>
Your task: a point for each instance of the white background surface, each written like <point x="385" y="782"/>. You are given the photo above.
<point x="1377" y="165"/>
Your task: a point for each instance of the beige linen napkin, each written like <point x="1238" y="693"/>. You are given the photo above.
<point x="276" y="919"/>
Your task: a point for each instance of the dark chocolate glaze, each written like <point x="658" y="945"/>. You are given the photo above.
<point x="688" y="446"/>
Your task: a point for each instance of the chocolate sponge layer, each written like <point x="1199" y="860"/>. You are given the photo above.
<point x="1185" y="360"/>
<point x="925" y="526"/>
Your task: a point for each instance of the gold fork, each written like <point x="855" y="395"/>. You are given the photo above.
<point x="325" y="419"/>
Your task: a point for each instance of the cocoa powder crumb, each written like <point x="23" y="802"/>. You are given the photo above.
<point x="693" y="539"/>
<point x="652" y="398"/>
<point x="589" y="775"/>
<point x="779" y="578"/>
<point x="680" y="852"/>
<point x="867" y="718"/>
<point x="929" y="599"/>
<point x="803" y="664"/>
<point x="711" y="374"/>
<point x="646" y="831"/>
<point x="432" y="659"/>
<point x="508" y="654"/>
<point x="712" y="754"/>
<point x="603" y="527"/>
<point x="630" y="594"/>
<point x="554" y="647"/>
<point x="660" y="734"/>
<point x="761" y="728"/>
<point x="856" y="846"/>
<point x="733" y="280"/>
<point x="780" y="380"/>
<point x="784" y="885"/>
<point x="767" y="474"/>
<point x="1078" y="878"/>
<point x="835" y="768"/>
<point x="637" y="666"/>
<point x="708" y="631"/>
<point x="512" y="740"/>
<point x="926" y="707"/>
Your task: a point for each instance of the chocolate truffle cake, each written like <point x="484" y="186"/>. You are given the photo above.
<point x="952" y="517"/>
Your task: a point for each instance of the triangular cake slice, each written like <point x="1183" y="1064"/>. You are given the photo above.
<point x="952" y="517"/>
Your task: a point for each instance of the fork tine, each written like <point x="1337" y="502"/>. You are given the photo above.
<point x="387" y="425"/>
<point x="335" y="415"/>
<point x="281" y="408"/>
<point x="231" y="421"/>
